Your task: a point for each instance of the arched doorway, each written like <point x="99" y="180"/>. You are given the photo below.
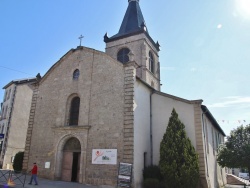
<point x="71" y="160"/>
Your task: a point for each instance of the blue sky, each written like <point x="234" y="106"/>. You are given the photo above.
<point x="205" y="51"/>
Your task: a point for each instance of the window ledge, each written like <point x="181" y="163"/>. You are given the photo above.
<point x="67" y="127"/>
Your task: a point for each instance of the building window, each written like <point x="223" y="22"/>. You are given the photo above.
<point x="12" y="159"/>
<point x="123" y="55"/>
<point x="213" y="143"/>
<point x="2" y="114"/>
<point x="152" y="84"/>
<point x="2" y="129"/>
<point x="9" y="94"/>
<point x="207" y="136"/>
<point x="151" y="62"/>
<point x="5" y="95"/>
<point x="5" y="112"/>
<point x="76" y="74"/>
<point x="74" y="111"/>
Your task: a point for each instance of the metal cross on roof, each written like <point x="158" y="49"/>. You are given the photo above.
<point x="81" y="37"/>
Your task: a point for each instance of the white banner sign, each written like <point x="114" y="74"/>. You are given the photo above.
<point x="104" y="156"/>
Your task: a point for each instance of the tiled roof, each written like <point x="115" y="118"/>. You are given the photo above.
<point x="212" y="119"/>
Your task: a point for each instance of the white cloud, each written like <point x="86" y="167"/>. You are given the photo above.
<point x="231" y="101"/>
<point x="219" y="26"/>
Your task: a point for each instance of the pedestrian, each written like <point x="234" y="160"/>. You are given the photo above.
<point x="33" y="174"/>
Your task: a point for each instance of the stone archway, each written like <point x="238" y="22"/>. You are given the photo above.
<point x="71" y="160"/>
<point x="63" y="135"/>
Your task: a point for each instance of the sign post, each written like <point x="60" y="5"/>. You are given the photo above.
<point x="124" y="175"/>
<point x="104" y="156"/>
<point x="1" y="136"/>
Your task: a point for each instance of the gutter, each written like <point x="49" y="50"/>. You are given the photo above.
<point x="151" y="128"/>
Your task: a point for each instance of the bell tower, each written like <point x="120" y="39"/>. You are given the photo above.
<point x="133" y="43"/>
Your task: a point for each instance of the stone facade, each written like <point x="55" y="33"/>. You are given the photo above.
<point x="140" y="46"/>
<point x="105" y="88"/>
<point x="121" y="108"/>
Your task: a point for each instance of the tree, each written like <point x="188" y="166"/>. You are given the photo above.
<point x="18" y="161"/>
<point x="179" y="163"/>
<point x="235" y="153"/>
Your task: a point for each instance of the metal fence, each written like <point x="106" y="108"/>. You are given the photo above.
<point x="12" y="178"/>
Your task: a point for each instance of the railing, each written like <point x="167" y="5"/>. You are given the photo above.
<point x="12" y="178"/>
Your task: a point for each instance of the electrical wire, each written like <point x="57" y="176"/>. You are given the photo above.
<point x="14" y="70"/>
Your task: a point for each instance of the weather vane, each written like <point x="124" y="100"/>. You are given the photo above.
<point x="81" y="37"/>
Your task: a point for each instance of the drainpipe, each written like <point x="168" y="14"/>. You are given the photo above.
<point x="151" y="128"/>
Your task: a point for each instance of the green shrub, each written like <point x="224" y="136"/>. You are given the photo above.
<point x="18" y="162"/>
<point x="151" y="183"/>
<point x="152" y="172"/>
<point x="162" y="184"/>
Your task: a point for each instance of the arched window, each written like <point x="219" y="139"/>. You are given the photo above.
<point x="76" y="74"/>
<point x="151" y="62"/>
<point x="74" y="111"/>
<point x="122" y="55"/>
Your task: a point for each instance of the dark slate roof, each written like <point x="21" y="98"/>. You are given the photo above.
<point x="211" y="118"/>
<point x="133" y="23"/>
<point x="133" y="20"/>
<point x="20" y="81"/>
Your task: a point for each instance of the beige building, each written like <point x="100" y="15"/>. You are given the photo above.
<point x="14" y="119"/>
<point x="93" y="110"/>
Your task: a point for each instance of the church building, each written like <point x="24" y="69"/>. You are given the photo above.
<point x="97" y="115"/>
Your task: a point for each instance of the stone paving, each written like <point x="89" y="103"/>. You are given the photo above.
<point x="43" y="183"/>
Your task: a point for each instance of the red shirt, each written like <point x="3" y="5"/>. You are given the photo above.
<point x="34" y="170"/>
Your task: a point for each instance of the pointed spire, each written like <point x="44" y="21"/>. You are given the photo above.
<point x="133" y="21"/>
<point x="133" y="18"/>
<point x="106" y="38"/>
<point x="158" y="46"/>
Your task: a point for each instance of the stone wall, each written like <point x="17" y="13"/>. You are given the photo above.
<point x="140" y="46"/>
<point x="100" y="87"/>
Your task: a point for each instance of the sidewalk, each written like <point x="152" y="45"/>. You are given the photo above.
<point x="236" y="186"/>
<point x="45" y="183"/>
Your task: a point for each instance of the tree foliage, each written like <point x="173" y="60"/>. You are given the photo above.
<point x="235" y="153"/>
<point x="178" y="159"/>
<point x="18" y="162"/>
